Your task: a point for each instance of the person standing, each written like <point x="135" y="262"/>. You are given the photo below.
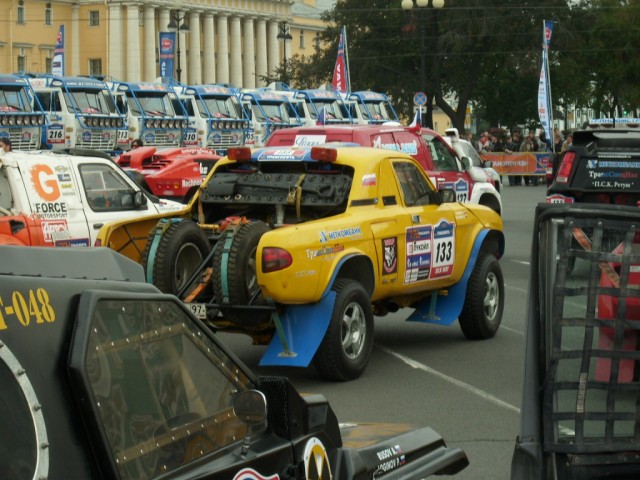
<point x="514" y="146"/>
<point x="529" y="144"/>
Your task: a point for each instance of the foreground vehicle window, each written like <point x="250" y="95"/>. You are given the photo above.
<point x="162" y="391"/>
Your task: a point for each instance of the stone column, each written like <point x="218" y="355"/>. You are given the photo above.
<point x="235" y="60"/>
<point x="150" y="42"/>
<point x="209" y="67"/>
<point x="163" y="20"/>
<point x="116" y="43"/>
<point x="75" y="40"/>
<point x="182" y="44"/>
<point x="261" y="51"/>
<point x="273" y="55"/>
<point x="195" y="68"/>
<point x="222" y="64"/>
<point x="133" y="43"/>
<point x="248" y="55"/>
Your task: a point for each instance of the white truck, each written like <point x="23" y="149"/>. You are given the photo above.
<point x="21" y="117"/>
<point x="60" y="199"/>
<point x="371" y="108"/>
<point x="217" y="119"/>
<point x="81" y="113"/>
<point x="324" y="106"/>
<point x="150" y="110"/>
<point x="269" y="111"/>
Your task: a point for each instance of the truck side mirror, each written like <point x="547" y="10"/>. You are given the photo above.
<point x="466" y="163"/>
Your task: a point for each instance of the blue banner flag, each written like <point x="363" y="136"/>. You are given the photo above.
<point x="57" y="65"/>
<point x="167" y="51"/>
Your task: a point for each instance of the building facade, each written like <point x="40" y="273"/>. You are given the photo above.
<point x="239" y="42"/>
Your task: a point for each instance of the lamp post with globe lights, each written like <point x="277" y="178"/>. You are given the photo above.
<point x="175" y="26"/>
<point x="407" y="6"/>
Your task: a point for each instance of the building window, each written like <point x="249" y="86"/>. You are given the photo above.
<point x="21" y="12"/>
<point x="302" y="39"/>
<point x="22" y="63"/>
<point x="317" y="40"/>
<point x="48" y="15"/>
<point x="94" y="18"/>
<point x="48" y="65"/>
<point x="95" y="66"/>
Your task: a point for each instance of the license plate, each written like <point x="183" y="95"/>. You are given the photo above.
<point x="198" y="309"/>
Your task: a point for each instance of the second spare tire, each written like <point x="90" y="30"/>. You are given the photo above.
<point x="235" y="281"/>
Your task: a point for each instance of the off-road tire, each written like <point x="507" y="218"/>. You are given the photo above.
<point x="181" y="249"/>
<point x="347" y="344"/>
<point x="235" y="264"/>
<point x="484" y="301"/>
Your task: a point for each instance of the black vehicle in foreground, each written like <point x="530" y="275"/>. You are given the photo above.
<point x="102" y="376"/>
<point x="580" y="411"/>
<point x="601" y="166"/>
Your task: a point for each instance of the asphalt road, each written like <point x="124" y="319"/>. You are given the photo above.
<point x="468" y="391"/>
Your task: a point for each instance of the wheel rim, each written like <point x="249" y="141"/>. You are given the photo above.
<point x="187" y="260"/>
<point x="491" y="297"/>
<point x="354" y="330"/>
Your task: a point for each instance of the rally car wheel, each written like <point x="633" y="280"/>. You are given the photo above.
<point x="235" y="280"/>
<point x="346" y="347"/>
<point x="179" y="251"/>
<point x="484" y="301"/>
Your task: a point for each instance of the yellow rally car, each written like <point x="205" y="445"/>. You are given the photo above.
<point x="300" y="247"/>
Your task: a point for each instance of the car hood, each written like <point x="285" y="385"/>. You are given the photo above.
<point x="399" y="451"/>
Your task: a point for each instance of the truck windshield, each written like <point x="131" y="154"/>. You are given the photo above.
<point x="378" y="111"/>
<point x="275" y="112"/>
<point x="152" y="104"/>
<point x="90" y="101"/>
<point x="331" y="107"/>
<point x="14" y="100"/>
<point x="220" y="107"/>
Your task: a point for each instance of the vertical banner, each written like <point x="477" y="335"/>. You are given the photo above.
<point x="57" y="65"/>
<point x="544" y="88"/>
<point x="167" y="42"/>
<point x="340" y="81"/>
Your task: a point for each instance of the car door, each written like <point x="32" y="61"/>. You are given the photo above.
<point x="426" y="244"/>
<point x="447" y="171"/>
<point x="55" y="196"/>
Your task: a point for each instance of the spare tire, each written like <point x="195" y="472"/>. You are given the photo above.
<point x="235" y="281"/>
<point x="175" y="255"/>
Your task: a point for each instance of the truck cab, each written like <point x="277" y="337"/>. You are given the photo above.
<point x="268" y="111"/>
<point x="325" y="106"/>
<point x="21" y="117"/>
<point x="372" y="108"/>
<point x="150" y="110"/>
<point x="63" y="200"/>
<point x="217" y="119"/>
<point x="81" y="113"/>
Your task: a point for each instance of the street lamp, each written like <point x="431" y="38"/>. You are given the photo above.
<point x="284" y="35"/>
<point x="407" y="5"/>
<point x="173" y="27"/>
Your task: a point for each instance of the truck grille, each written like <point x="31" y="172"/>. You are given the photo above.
<point x="225" y="139"/>
<point x="27" y="139"/>
<point x="95" y="140"/>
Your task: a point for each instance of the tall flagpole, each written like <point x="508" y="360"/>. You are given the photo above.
<point x="549" y="25"/>
<point x="346" y="57"/>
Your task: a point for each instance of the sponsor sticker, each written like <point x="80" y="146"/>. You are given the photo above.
<point x="349" y="232"/>
<point x="251" y="474"/>
<point x="390" y="249"/>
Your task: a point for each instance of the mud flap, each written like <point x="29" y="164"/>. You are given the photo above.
<point x="302" y="328"/>
<point x="444" y="309"/>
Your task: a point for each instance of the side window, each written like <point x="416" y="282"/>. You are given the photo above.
<point x="164" y="389"/>
<point x="415" y="189"/>
<point x="443" y="159"/>
<point x="105" y="189"/>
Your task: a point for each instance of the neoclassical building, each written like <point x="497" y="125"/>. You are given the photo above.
<point x="227" y="41"/>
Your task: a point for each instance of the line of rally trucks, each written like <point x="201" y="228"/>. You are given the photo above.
<point x="58" y="113"/>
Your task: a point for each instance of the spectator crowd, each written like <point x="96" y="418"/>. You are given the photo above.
<point x="500" y="140"/>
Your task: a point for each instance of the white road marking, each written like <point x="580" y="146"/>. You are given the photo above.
<point x="465" y="386"/>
